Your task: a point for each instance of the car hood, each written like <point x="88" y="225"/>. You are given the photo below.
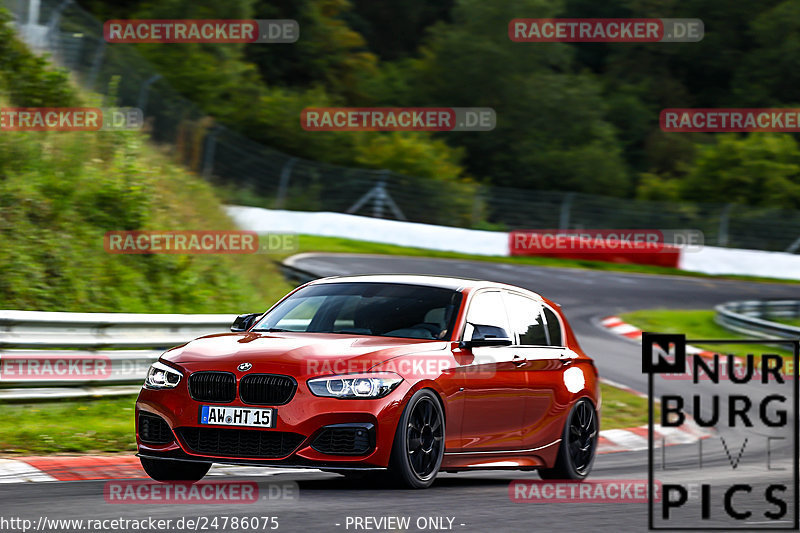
<point x="298" y="354"/>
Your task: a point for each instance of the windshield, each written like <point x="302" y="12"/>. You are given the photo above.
<point x="381" y="309"/>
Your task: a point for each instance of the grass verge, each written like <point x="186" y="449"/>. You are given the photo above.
<point x="106" y="425"/>
<point x="788" y="321"/>
<point x="621" y="409"/>
<point x="98" y="426"/>
<point x="697" y="325"/>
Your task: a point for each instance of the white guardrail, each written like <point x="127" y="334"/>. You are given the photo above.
<point x="68" y="355"/>
<point x="71" y="355"/>
<point x="751" y="317"/>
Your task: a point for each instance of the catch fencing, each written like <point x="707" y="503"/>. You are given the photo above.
<point x="264" y="177"/>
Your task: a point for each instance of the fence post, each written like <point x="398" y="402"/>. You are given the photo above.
<point x="380" y="198"/>
<point x="283" y="185"/>
<point x="724" y="222"/>
<point x="52" y="27"/>
<point x="144" y="92"/>
<point x="566" y="207"/>
<point x="96" y="62"/>
<point x="208" y="152"/>
<point x="477" y="203"/>
<point x="794" y="246"/>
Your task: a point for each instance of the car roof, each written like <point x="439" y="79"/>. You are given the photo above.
<point x="445" y="282"/>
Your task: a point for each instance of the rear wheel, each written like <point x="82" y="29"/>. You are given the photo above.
<point x="171" y="470"/>
<point x="419" y="442"/>
<point x="578" y="444"/>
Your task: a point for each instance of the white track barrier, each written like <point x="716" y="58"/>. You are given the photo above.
<point x="708" y="260"/>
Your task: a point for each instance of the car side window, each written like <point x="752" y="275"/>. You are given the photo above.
<point x="486" y="309"/>
<point x="525" y="316"/>
<point x="553" y="327"/>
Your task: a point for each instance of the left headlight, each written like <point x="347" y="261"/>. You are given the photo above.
<point x="355" y="386"/>
<point x="161" y="376"/>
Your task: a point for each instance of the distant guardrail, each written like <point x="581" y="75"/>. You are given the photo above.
<point x="751" y="317"/>
<point x="56" y="355"/>
<point x="64" y="355"/>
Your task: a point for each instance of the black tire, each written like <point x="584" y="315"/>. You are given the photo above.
<point x="418" y="442"/>
<point x="578" y="444"/>
<point x="169" y="470"/>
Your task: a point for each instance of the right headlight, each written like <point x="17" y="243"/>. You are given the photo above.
<point x="355" y="386"/>
<point x="161" y="376"/>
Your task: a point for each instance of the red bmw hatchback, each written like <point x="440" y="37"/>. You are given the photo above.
<point x="408" y="375"/>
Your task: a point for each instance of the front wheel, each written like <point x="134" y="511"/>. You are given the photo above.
<point x="578" y="444"/>
<point x="419" y="442"/>
<point x="171" y="470"/>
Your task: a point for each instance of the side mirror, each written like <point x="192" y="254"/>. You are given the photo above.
<point x="484" y="335"/>
<point x="244" y="322"/>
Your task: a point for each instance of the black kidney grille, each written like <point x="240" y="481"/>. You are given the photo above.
<point x="266" y="389"/>
<point x="344" y="441"/>
<point x="240" y="442"/>
<point x="153" y="429"/>
<point x="218" y="387"/>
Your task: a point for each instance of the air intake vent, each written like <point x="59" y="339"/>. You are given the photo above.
<point x="153" y="429"/>
<point x="266" y="389"/>
<point x="345" y="439"/>
<point x="215" y="387"/>
<point x="240" y="442"/>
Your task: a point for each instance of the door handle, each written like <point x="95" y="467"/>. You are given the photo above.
<point x="519" y="361"/>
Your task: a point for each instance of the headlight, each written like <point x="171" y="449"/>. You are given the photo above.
<point x="161" y="376"/>
<point x="354" y="386"/>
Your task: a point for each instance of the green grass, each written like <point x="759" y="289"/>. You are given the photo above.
<point x="106" y="425"/>
<point x="621" y="409"/>
<point x="697" y="325"/>
<point x="790" y="321"/>
<point x="102" y="425"/>
<point x="312" y="243"/>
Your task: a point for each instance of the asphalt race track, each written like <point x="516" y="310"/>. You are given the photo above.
<point x="479" y="501"/>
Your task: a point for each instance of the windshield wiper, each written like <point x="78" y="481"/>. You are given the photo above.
<point x="275" y="330"/>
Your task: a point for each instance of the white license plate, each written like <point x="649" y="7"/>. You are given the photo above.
<point x="237" y="416"/>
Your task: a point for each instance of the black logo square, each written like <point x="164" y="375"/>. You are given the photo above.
<point x="658" y="344"/>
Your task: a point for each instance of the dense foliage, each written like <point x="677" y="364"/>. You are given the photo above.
<point x="59" y="194"/>
<point x="578" y="117"/>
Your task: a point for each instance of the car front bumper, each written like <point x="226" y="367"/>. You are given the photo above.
<point x="304" y="423"/>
